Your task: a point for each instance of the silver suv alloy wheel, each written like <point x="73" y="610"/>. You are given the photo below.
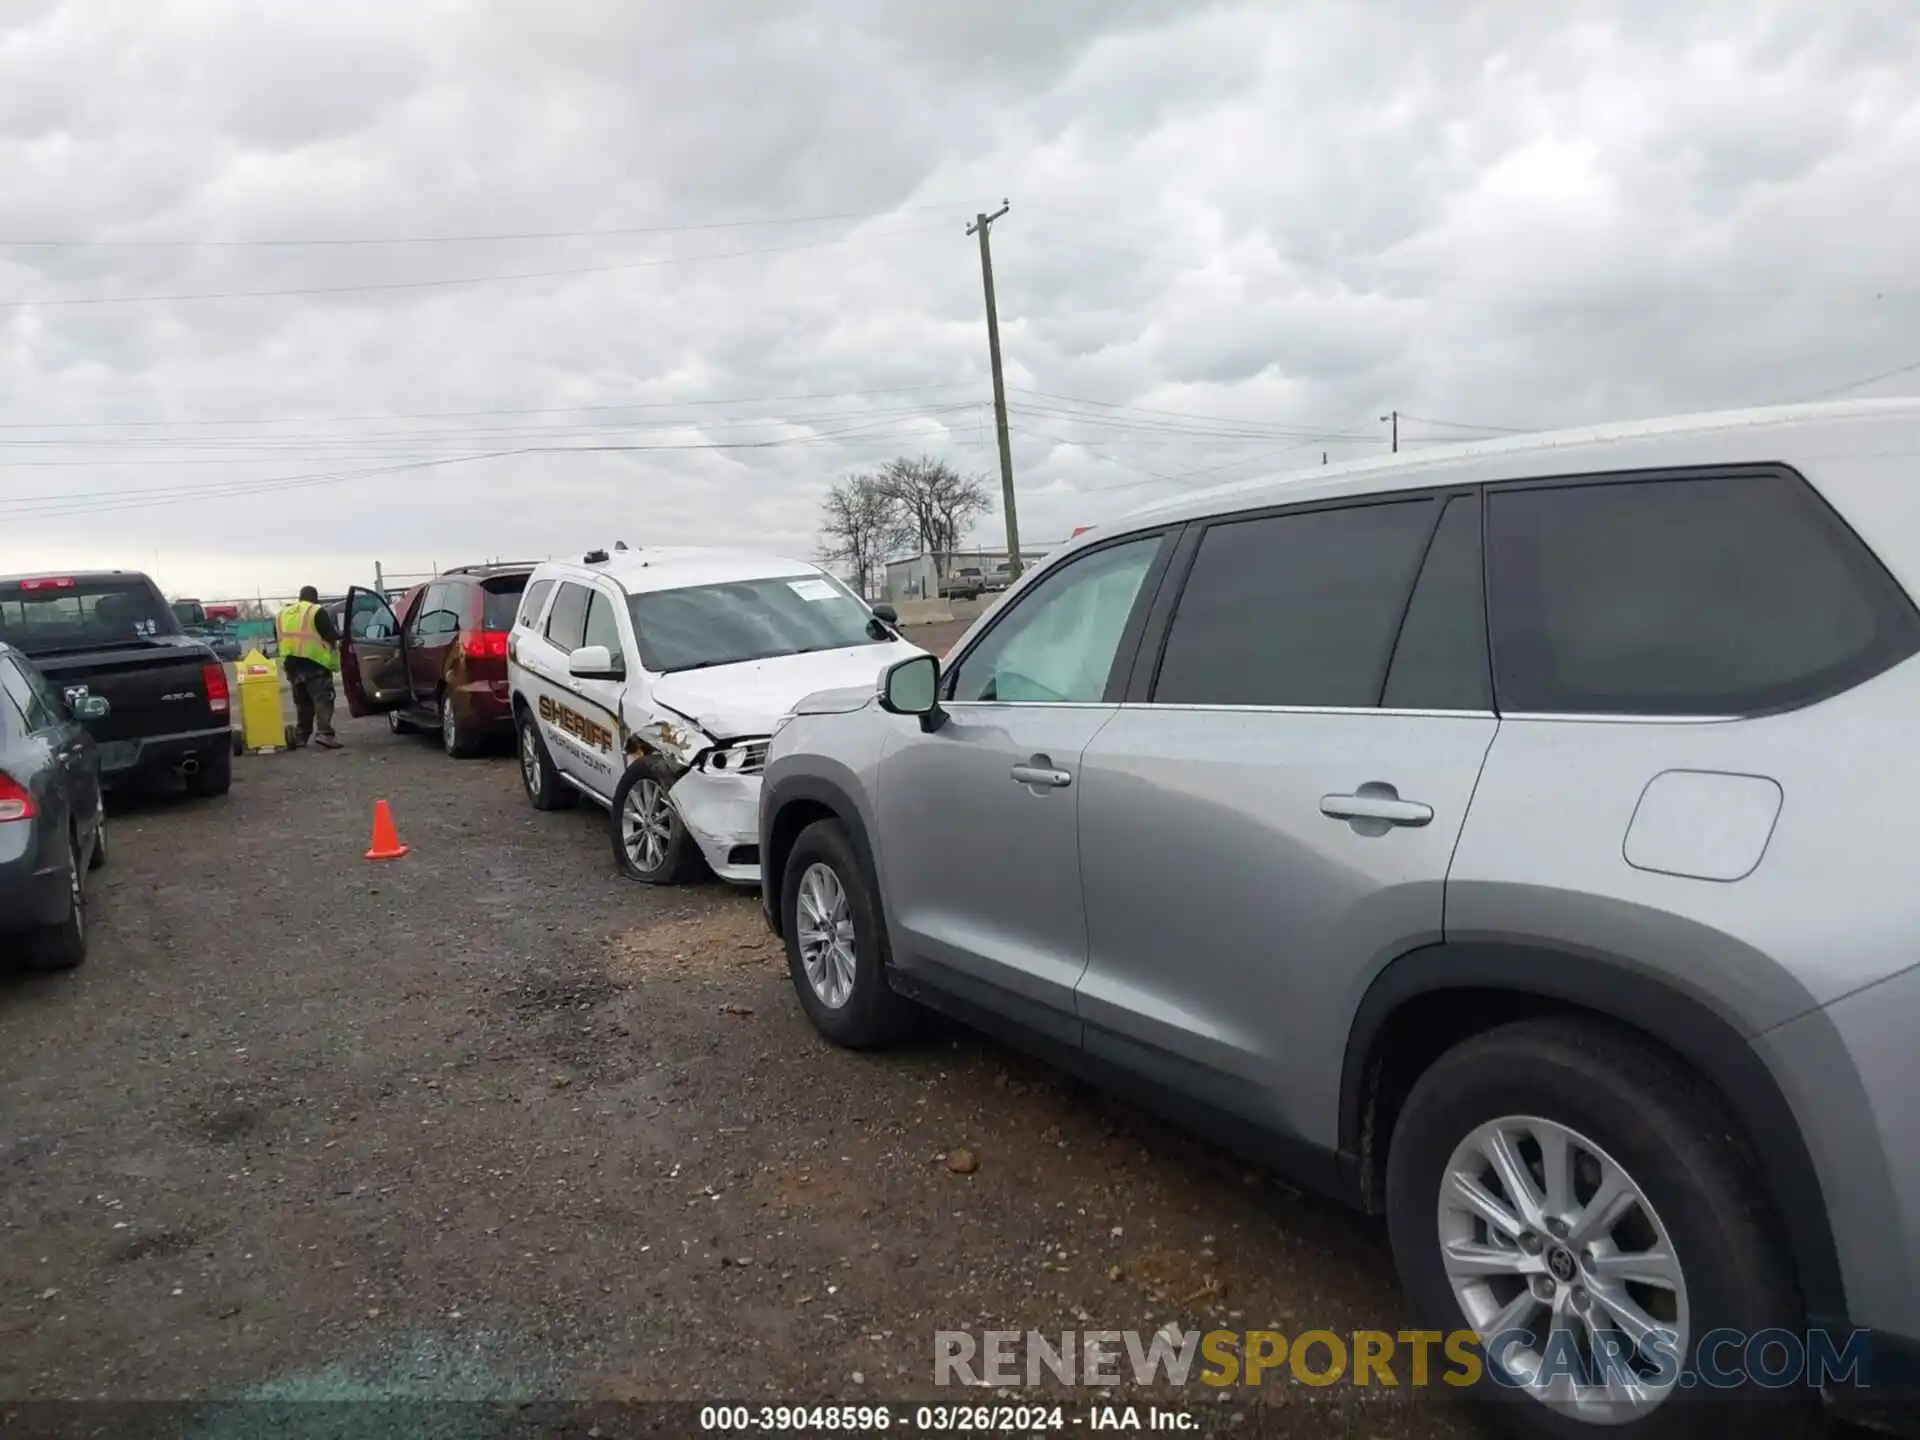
<point x="1545" y="1236"/>
<point x="826" y="935"/>
<point x="646" y="824"/>
<point x="449" y="726"/>
<point x="530" y="758"/>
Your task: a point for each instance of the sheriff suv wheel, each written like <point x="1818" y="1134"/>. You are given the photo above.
<point x="650" y="844"/>
<point x="545" y="789"/>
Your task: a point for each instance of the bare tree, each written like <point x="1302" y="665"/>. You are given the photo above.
<point x="860" y="522"/>
<point x="936" y="503"/>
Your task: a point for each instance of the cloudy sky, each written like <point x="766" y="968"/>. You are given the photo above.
<point x="289" y="288"/>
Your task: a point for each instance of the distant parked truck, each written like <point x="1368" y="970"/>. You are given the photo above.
<point x="966" y="583"/>
<point x="213" y="624"/>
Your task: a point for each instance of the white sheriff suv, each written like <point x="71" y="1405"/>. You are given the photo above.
<point x="650" y="680"/>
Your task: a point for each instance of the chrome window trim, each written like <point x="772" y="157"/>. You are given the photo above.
<point x="1316" y="710"/>
<point x="1582" y="719"/>
<point x="1030" y="704"/>
<point x="1624" y="718"/>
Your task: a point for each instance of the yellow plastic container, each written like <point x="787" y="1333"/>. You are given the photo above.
<point x="263" y="724"/>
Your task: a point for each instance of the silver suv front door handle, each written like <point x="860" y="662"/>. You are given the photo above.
<point x="1040" y="773"/>
<point x="1376" y="802"/>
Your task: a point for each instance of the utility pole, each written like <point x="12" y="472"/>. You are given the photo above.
<point x="1395" y="418"/>
<point x="982" y="223"/>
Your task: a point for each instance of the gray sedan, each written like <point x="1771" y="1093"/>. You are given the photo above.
<point x="52" y="827"/>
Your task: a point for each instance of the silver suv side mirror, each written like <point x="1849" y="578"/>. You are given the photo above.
<point x="912" y="687"/>
<point x="91" y="707"/>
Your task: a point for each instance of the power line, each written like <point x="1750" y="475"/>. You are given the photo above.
<point x="888" y="430"/>
<point x="465" y="435"/>
<point x="1462" y="425"/>
<point x="54" y="505"/>
<point x="225" y="489"/>
<point x="1856" y="384"/>
<point x="1183" y="478"/>
<point x="1339" y="266"/>
<point x="473" y="414"/>
<point x="1224" y="430"/>
<point x="446" y="281"/>
<point x="74" y="244"/>
<point x="1187" y="475"/>
<point x="1154" y="476"/>
<point x="1175" y="414"/>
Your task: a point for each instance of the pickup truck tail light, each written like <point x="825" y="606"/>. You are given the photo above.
<point x="15" y="803"/>
<point x="215" y="679"/>
<point x="485" y="645"/>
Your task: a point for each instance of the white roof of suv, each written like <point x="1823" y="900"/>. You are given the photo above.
<point x="673" y="567"/>
<point x="1547" y="453"/>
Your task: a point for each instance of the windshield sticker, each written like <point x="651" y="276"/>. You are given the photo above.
<point x="813" y="589"/>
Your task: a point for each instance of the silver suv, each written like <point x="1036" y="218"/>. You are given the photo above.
<point x="1522" y="841"/>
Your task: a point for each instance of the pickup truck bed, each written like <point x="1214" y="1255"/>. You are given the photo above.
<point x="170" y="709"/>
<point x="160" y="716"/>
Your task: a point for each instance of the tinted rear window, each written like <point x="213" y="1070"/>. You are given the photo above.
<point x="1295" y="609"/>
<point x="535" y="597"/>
<point x="13" y="721"/>
<point x="501" y="597"/>
<point x="42" y="616"/>
<point x="1440" y="659"/>
<point x="1709" y="595"/>
<point x="567" y="620"/>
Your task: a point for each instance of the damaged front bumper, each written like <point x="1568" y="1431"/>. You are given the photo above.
<point x="722" y="814"/>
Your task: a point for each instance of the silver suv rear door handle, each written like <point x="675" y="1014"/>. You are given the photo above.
<point x="1040" y="772"/>
<point x="1376" y="802"/>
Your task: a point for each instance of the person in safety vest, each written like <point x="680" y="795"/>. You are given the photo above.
<point x="309" y="654"/>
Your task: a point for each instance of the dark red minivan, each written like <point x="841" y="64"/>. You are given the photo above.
<point x="436" y="659"/>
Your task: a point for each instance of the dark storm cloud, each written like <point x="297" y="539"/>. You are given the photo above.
<point x="1273" y="215"/>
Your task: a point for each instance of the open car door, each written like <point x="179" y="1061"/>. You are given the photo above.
<point x="373" y="655"/>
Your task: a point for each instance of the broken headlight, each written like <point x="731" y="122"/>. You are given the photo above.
<point x="745" y="757"/>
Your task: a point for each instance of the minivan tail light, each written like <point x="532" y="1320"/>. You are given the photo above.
<point x="486" y="645"/>
<point x="15" y="802"/>
<point x="214" y="677"/>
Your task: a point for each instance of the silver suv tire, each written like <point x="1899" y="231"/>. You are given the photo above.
<point x="1655" y="1215"/>
<point x="837" y="949"/>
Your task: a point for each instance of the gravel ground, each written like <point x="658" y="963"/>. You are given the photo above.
<point x="488" y="1121"/>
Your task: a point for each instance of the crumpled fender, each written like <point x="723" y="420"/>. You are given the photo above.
<point x="679" y="744"/>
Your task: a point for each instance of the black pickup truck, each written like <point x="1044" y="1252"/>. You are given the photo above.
<point x="112" y="634"/>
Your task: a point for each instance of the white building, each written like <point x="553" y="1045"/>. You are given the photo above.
<point x="920" y="577"/>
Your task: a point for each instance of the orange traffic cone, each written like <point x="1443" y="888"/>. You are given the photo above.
<point x="386" y="839"/>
